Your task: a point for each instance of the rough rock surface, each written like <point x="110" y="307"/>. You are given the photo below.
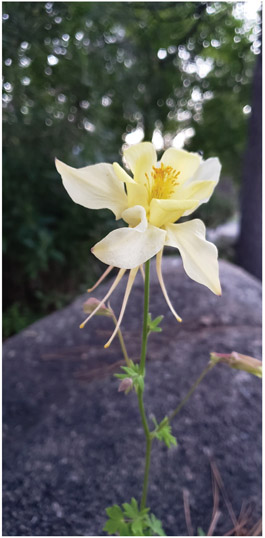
<point x="74" y="445"/>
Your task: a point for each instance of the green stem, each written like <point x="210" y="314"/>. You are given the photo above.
<point x="184" y="401"/>
<point x="191" y="391"/>
<point x="140" y="391"/>
<point x="145" y="320"/>
<point x="146" y="471"/>
<point x="148" y="448"/>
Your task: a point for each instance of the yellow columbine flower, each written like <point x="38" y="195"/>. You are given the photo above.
<point x="150" y="202"/>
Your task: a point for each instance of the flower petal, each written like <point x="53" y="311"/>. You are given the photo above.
<point x="136" y="217"/>
<point x="162" y="284"/>
<point x="137" y="195"/>
<point x="182" y="161"/>
<point x="208" y="170"/>
<point x="121" y="174"/>
<point x="129" y="286"/>
<point x="163" y="212"/>
<point x="198" y="255"/>
<point x="108" y="294"/>
<point x="140" y="158"/>
<point x="129" y="247"/>
<point x="203" y="183"/>
<point x="101" y="278"/>
<point x="94" y="187"/>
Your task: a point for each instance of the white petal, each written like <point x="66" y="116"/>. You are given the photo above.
<point x="181" y="161"/>
<point x="129" y="247"/>
<point x="207" y="173"/>
<point x="94" y="187"/>
<point x="136" y="217"/>
<point x="208" y="170"/>
<point x="199" y="256"/>
<point x="140" y="158"/>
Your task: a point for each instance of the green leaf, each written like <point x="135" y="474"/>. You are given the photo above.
<point x="116" y="523"/>
<point x="164" y="432"/>
<point x="200" y="532"/>
<point x="155" y="525"/>
<point x="132" y="372"/>
<point x="136" y="516"/>
<point x="153" y="324"/>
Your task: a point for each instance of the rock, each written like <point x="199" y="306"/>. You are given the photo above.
<point x="225" y="235"/>
<point x="73" y="444"/>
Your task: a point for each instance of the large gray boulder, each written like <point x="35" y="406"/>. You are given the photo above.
<point x="73" y="445"/>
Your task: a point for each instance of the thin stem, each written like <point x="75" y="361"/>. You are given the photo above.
<point x="191" y="391"/>
<point x="184" y="401"/>
<point x="142" y="412"/>
<point x="146" y="471"/>
<point x="148" y="447"/>
<point x="145" y="320"/>
<point x="121" y="339"/>
<point x="140" y="391"/>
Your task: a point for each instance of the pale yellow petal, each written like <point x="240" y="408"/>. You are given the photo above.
<point x="181" y="161"/>
<point x="94" y="187"/>
<point x="163" y="212"/>
<point x="163" y="287"/>
<point x="121" y="174"/>
<point x="108" y="294"/>
<point x="208" y="170"/>
<point x="103" y="276"/>
<point x="140" y="158"/>
<point x="129" y="286"/>
<point x="137" y="195"/>
<point x="129" y="247"/>
<point x="203" y="183"/>
<point x="198" y="255"/>
<point x="199" y="190"/>
<point x="136" y="217"/>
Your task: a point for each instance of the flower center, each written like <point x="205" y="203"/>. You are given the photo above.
<point x="163" y="182"/>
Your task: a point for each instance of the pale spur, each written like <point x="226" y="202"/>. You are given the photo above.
<point x="150" y="201"/>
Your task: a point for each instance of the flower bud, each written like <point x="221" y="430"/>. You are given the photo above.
<point x="125" y="385"/>
<point x="91" y="304"/>
<point x="239" y="362"/>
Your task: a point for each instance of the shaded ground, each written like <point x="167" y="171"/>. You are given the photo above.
<point x="74" y="445"/>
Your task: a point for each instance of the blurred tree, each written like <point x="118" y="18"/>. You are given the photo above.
<point x="249" y="248"/>
<point x="80" y="78"/>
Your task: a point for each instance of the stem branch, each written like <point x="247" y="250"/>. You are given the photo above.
<point x="191" y="391"/>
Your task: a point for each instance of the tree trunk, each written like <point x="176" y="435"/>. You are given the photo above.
<point x="249" y="249"/>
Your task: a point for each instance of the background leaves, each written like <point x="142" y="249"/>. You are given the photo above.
<point x="78" y="79"/>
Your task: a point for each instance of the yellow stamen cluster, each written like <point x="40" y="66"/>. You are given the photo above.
<point x="163" y="183"/>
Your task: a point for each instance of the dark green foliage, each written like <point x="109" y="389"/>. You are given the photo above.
<point x="131" y="521"/>
<point x="78" y="77"/>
